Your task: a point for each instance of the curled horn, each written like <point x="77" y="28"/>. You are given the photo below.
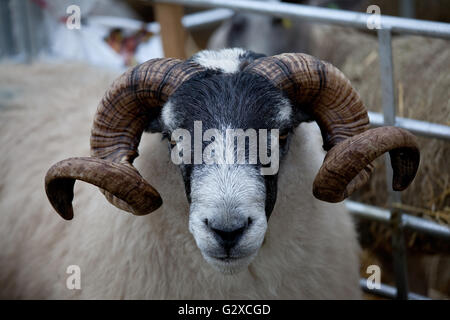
<point x="123" y="113"/>
<point x="321" y="90"/>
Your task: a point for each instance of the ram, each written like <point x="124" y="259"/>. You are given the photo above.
<point x="224" y="230"/>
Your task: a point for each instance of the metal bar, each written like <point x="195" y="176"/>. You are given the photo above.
<point x="387" y="75"/>
<point x="324" y="15"/>
<point x="407" y="8"/>
<point x="399" y="255"/>
<point x="204" y="18"/>
<point x="33" y="46"/>
<point x="190" y="21"/>
<point x="6" y="39"/>
<point x="425" y="226"/>
<point x="365" y="211"/>
<point x="388" y="291"/>
<point x="388" y="96"/>
<point x="423" y="128"/>
<point x="25" y="45"/>
<point x="388" y="100"/>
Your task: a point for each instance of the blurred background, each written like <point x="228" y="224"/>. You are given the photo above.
<point x="120" y="33"/>
<point x="47" y="40"/>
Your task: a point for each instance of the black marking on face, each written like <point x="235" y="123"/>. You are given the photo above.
<point x="247" y="58"/>
<point x="241" y="101"/>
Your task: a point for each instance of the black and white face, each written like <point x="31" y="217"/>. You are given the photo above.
<point x="230" y="202"/>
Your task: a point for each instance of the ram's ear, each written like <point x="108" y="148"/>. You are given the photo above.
<point x="155" y="123"/>
<point x="300" y="115"/>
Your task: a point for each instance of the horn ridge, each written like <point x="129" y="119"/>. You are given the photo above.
<point x="323" y="91"/>
<point x="118" y="124"/>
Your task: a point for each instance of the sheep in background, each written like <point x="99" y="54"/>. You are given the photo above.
<point x="309" y="250"/>
<point x="272" y="35"/>
<point x="262" y="33"/>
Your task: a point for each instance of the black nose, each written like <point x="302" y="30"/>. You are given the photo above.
<point x="228" y="238"/>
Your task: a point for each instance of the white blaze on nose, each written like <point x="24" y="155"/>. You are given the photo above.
<point x="226" y="195"/>
<point x="226" y="186"/>
<point x="225" y="60"/>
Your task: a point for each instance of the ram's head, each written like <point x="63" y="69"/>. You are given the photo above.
<point x="231" y="187"/>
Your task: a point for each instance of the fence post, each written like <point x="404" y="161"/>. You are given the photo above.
<point x="173" y="33"/>
<point x="388" y="100"/>
<point x="407" y="9"/>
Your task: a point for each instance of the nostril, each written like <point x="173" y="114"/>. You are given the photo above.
<point x="229" y="235"/>
<point x="249" y="221"/>
<point x="205" y="221"/>
<point x="228" y="238"/>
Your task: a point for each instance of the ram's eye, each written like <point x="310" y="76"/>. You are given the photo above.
<point x="173" y="142"/>
<point x="284" y="136"/>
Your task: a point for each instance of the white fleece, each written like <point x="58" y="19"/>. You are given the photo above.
<point x="310" y="249"/>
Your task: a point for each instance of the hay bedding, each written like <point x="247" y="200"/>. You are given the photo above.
<point x="422" y="80"/>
